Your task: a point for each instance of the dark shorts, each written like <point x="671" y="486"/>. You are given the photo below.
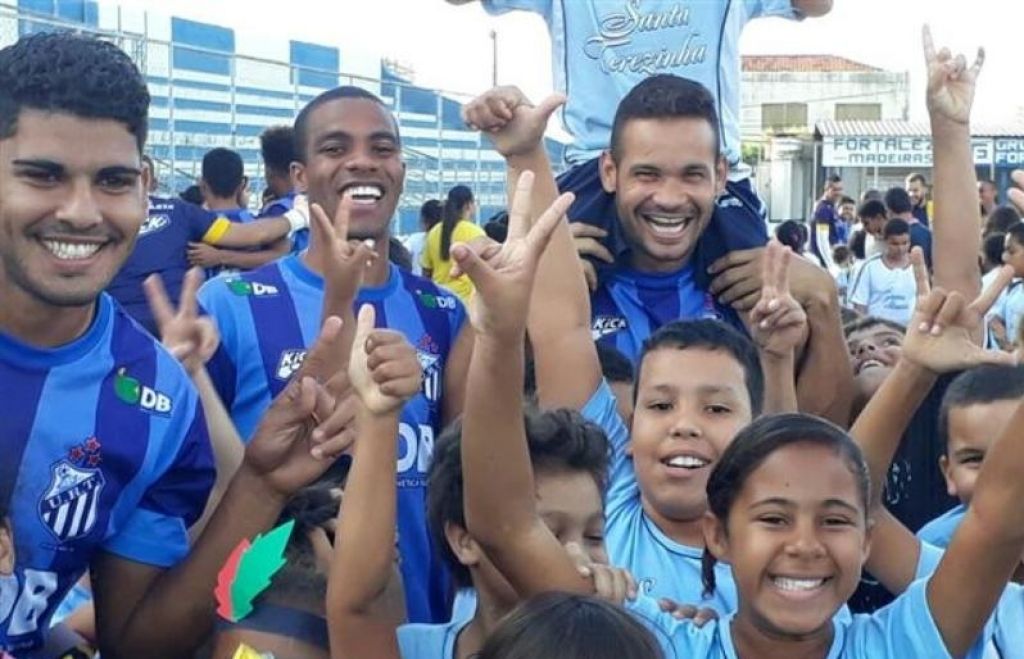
<point x="738" y="222"/>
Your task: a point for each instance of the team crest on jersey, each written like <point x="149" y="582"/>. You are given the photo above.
<point x="430" y="361"/>
<point x="153" y="224"/>
<point x="69" y="506"/>
<point x="605" y="325"/>
<point x="289" y="363"/>
<point x="243" y="288"/>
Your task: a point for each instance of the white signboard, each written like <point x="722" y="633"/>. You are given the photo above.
<point x="906" y="152"/>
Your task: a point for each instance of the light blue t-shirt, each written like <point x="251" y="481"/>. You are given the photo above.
<point x="661" y="566"/>
<point x="940" y="530"/>
<point x="1010" y="307"/>
<point x="1005" y="632"/>
<point x="601" y="49"/>
<point x="904" y="628"/>
<point x="430" y="641"/>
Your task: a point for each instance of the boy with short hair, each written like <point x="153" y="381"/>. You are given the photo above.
<point x="884" y="286"/>
<point x="977" y="405"/>
<point x="1005" y="316"/>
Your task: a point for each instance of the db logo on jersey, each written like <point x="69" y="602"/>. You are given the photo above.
<point x="289" y="363"/>
<point x="244" y="288"/>
<point x="605" y="325"/>
<point x="132" y="392"/>
<point x="431" y="301"/>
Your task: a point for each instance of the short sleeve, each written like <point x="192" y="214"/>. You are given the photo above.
<point x="200" y="221"/>
<point x="498" y="7"/>
<point x="602" y="410"/>
<point x="928" y="560"/>
<point x="904" y="628"/>
<point x="156" y="533"/>
<point x="430" y="243"/>
<point x="861" y="287"/>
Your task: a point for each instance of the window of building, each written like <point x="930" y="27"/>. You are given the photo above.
<point x="859" y="111"/>
<point x="782" y="116"/>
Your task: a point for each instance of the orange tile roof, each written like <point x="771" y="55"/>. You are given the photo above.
<point x="803" y="64"/>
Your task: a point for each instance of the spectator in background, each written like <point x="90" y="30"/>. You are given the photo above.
<point x="991" y="256"/>
<point x="885" y="286"/>
<point x="277" y="148"/>
<point x="193" y="195"/>
<point x="1000" y="220"/>
<point x="791" y="233"/>
<point x="988" y="196"/>
<point x="1006" y="314"/>
<point x="899" y="206"/>
<point x="871" y="194"/>
<point x="842" y="257"/>
<point x="848" y="218"/>
<point x="497" y="227"/>
<point x="430" y="214"/>
<point x="399" y="254"/>
<point x="825" y="225"/>
<point x="917" y="187"/>
<point x="456" y="226"/>
<point x="223" y="186"/>
<point x="867" y="241"/>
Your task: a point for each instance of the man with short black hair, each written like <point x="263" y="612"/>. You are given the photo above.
<point x="825" y="225"/>
<point x="917" y="187"/>
<point x="104" y="440"/>
<point x="988" y="197"/>
<point x="900" y="207"/>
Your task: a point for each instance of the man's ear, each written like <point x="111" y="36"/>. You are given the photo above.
<point x="609" y="172"/>
<point x="297" y="173"/>
<point x="721" y="174"/>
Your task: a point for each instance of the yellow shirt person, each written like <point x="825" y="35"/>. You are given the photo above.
<point x="440" y="268"/>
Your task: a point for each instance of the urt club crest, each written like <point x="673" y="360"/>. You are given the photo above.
<point x="69" y="506"/>
<point x="430" y="362"/>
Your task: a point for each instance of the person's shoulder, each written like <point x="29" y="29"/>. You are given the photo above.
<point x="425" y="641"/>
<point x="233" y="290"/>
<point x="677" y="637"/>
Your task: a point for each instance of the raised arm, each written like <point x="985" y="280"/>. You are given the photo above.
<point x="568" y="371"/>
<point x="778" y="325"/>
<point x="145" y="611"/>
<point x="956" y="239"/>
<point x="499" y="494"/>
<point x="363" y="562"/>
<point x="938" y="340"/>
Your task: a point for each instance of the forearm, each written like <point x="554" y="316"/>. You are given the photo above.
<point x="881" y="425"/>
<point x="824" y="383"/>
<point x="256" y="233"/>
<point x="365" y="535"/>
<point x="496" y="464"/>
<point x="177" y="613"/>
<point x="251" y="260"/>
<point x="228" y="449"/>
<point x="956" y="240"/>
<point x="559" y="322"/>
<point x="779" y="385"/>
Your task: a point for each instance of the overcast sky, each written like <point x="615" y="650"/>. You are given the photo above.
<point x="450" y="47"/>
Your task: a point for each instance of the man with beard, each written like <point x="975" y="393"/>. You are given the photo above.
<point x="349" y="160"/>
<point x="917" y="187"/>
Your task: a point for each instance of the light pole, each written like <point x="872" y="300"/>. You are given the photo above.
<point x="494" y="58"/>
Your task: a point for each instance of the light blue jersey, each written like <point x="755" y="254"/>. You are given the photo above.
<point x="940" y="530"/>
<point x="601" y="49"/>
<point x="903" y="629"/>
<point x="1010" y="307"/>
<point x="661" y="566"/>
<point x="430" y="641"/>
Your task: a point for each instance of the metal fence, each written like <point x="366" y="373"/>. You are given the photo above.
<point x="207" y="97"/>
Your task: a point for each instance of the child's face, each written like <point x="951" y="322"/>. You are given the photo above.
<point x="690" y="405"/>
<point x="1013" y="255"/>
<point x="571" y="506"/>
<point x="874" y="352"/>
<point x="6" y="548"/>
<point x="972" y="429"/>
<point x="896" y="247"/>
<point x="796" y="539"/>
